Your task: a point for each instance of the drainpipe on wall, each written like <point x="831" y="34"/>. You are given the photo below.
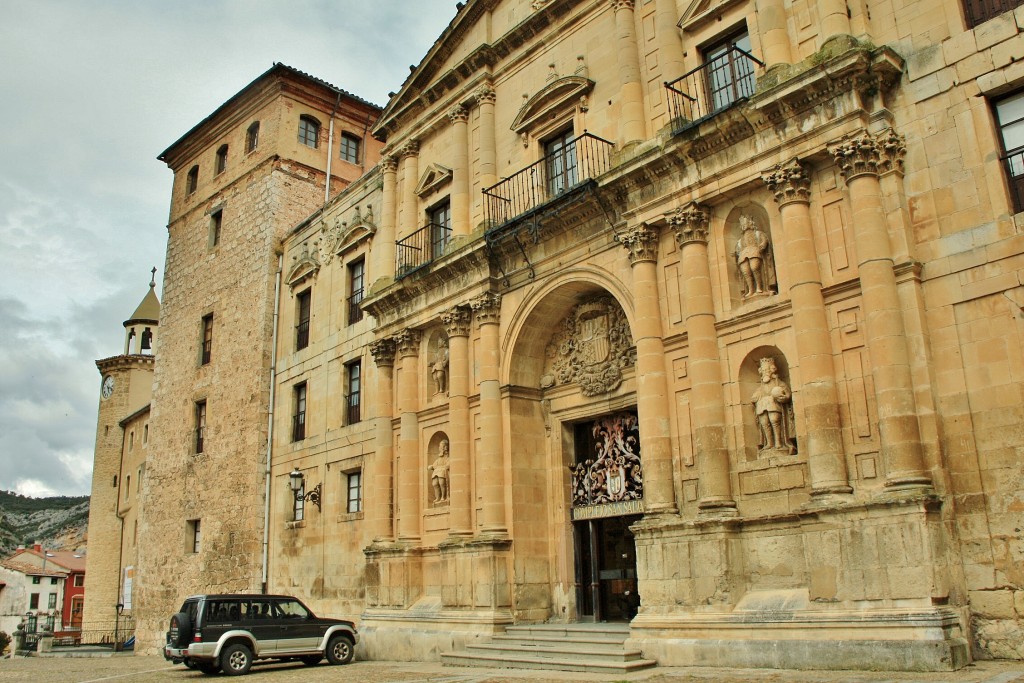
<point x="330" y="149"/>
<point x="270" y="420"/>
<point x="362" y="156"/>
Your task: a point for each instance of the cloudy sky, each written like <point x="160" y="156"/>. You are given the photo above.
<point x="92" y="91"/>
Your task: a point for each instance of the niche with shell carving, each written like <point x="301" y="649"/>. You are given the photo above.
<point x="769" y="419"/>
<point x="750" y="254"/>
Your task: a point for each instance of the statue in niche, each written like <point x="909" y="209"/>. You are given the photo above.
<point x="773" y="409"/>
<point x="439" y="473"/>
<point x="754" y="260"/>
<point x="439" y="367"/>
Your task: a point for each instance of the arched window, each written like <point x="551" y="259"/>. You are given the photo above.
<point x="192" y="181"/>
<point x="222" y="159"/>
<point x="252" y="136"/>
<point x="309" y="131"/>
<point x="350" y="148"/>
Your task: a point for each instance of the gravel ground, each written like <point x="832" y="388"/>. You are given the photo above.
<point x="130" y="669"/>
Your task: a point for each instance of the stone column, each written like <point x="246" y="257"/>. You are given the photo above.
<point x="819" y="399"/>
<point x="459" y="118"/>
<point x="409" y="473"/>
<point x="652" y="395"/>
<point x="707" y="397"/>
<point x="384" y="240"/>
<point x="631" y="94"/>
<point x="410" y="153"/>
<point x="490" y="469"/>
<point x="381" y="505"/>
<point x="860" y="158"/>
<point x="833" y="18"/>
<point x="485" y="98"/>
<point x="456" y="321"/>
<point x="771" y="23"/>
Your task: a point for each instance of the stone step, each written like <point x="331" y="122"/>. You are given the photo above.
<point x="524" y="661"/>
<point x="563" y="650"/>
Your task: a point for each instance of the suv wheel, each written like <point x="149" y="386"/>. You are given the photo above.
<point x="339" y="650"/>
<point x="236" y="660"/>
<point x="180" y="632"/>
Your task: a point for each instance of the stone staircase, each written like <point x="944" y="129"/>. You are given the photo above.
<point x="593" y="648"/>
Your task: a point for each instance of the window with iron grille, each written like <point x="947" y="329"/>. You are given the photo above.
<point x="302" y="309"/>
<point x="207" y="339"/>
<point x="309" y="131"/>
<point x="353" y="392"/>
<point x="350" y="148"/>
<point x="200" y="425"/>
<point x="222" y="160"/>
<point x="299" y="415"/>
<point x="560" y="167"/>
<point x="356" y="277"/>
<point x="440" y="228"/>
<point x="1010" y="117"/>
<point x="252" y="137"/>
<point x="355" y="491"/>
<point x="730" y="76"/>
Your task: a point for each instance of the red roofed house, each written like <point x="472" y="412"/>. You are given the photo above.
<point x="48" y="584"/>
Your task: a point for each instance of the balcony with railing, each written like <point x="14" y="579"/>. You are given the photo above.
<point x="355" y="313"/>
<point x="544" y="182"/>
<point x="712" y="87"/>
<point x="420" y="248"/>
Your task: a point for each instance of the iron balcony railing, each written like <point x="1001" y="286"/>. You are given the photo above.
<point x="355" y="313"/>
<point x="421" y="248"/>
<point x="581" y="159"/>
<point x="712" y="86"/>
<point x="298" y="427"/>
<point x="1013" y="163"/>
<point x="352" y="404"/>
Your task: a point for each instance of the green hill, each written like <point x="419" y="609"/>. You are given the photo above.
<point x="59" y="522"/>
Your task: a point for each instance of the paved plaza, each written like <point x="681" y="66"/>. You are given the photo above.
<point x="130" y="669"/>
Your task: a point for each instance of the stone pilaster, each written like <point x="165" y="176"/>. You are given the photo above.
<point x="631" y="95"/>
<point x="491" y="472"/>
<point x="775" y="41"/>
<point x="485" y="98"/>
<point x="409" y="506"/>
<point x="457" y="323"/>
<point x="860" y="159"/>
<point x="384" y="241"/>
<point x="707" y="397"/>
<point x="459" y="118"/>
<point x="670" y="44"/>
<point x="380" y="506"/>
<point x="819" y="399"/>
<point x="651" y="380"/>
<point x="410" y="154"/>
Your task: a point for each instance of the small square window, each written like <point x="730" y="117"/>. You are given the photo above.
<point x="36" y="580"/>
<point x="309" y="131"/>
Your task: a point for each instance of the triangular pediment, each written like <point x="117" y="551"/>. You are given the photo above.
<point x="305" y="265"/>
<point x="558" y="97"/>
<point x="434" y="177"/>
<point x="347" y="234"/>
<point x="698" y="12"/>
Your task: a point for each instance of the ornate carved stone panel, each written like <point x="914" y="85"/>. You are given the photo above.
<point x="590" y="347"/>
<point x="614" y="473"/>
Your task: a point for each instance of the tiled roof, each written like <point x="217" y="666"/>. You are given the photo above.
<point x="31" y="569"/>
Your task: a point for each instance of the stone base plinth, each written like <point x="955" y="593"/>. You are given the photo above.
<point x="425" y="631"/>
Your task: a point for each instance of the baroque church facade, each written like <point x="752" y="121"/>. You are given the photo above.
<point x="703" y="317"/>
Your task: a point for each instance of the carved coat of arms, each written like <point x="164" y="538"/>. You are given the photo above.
<point x="591" y="347"/>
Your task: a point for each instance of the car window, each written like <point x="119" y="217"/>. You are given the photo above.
<point x="218" y="611"/>
<point x="191" y="608"/>
<point x="257" y="609"/>
<point x="292" y="609"/>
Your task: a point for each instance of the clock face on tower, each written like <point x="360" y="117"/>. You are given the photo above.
<point x="107" y="388"/>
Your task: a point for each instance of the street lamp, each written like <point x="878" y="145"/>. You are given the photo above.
<point x="297" y="482"/>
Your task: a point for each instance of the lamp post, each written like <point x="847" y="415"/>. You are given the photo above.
<point x="119" y="607"/>
<point x="297" y="482"/>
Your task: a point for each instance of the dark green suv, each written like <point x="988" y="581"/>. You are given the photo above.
<point x="229" y="632"/>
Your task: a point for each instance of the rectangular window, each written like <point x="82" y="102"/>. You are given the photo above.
<point x="192" y="180"/>
<point x="200" y="425"/>
<point x="353" y="392"/>
<point x="33" y="600"/>
<point x="299" y="416"/>
<point x="192" y="527"/>
<point x="127" y="486"/>
<point x="131" y="440"/>
<point x="980" y="11"/>
<point x="51" y="602"/>
<point x="356" y="276"/>
<point x="355" y="491"/>
<point x="1010" y="116"/>
<point x="302" y="307"/>
<point x="79" y="580"/>
<point x="77" y="606"/>
<point x="350" y="148"/>
<point x="222" y="160"/>
<point x="299" y="504"/>
<point x="53" y="581"/>
<point x="216" y="222"/>
<point x="49" y="623"/>
<point x="207" y="339"/>
<point x="252" y="137"/>
<point x="309" y="131"/>
<point x="729" y="73"/>
<point x="145" y="434"/>
<point x="37" y="580"/>
<point x="560" y="164"/>
<point x="440" y="228"/>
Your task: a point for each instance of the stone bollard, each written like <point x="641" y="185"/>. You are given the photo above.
<point x="45" y="643"/>
<point x="18" y="641"/>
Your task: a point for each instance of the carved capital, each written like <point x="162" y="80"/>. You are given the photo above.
<point x="456" y="321"/>
<point x="485" y="94"/>
<point x="389" y="164"/>
<point x="689" y="224"/>
<point x="458" y="114"/>
<point x="408" y="342"/>
<point x="486" y="308"/>
<point x="856" y="155"/>
<point x="892" y="148"/>
<point x="789" y="182"/>
<point x="623" y="4"/>
<point x="642" y="243"/>
<point x="383" y="351"/>
<point x="409" y="149"/>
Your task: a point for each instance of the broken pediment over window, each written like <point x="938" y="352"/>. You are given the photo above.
<point x="698" y="12"/>
<point x="346" y="234"/>
<point x="558" y="100"/>
<point x="434" y="177"/>
<point x="305" y="265"/>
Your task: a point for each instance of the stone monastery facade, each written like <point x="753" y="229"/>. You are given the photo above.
<point x="701" y="316"/>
